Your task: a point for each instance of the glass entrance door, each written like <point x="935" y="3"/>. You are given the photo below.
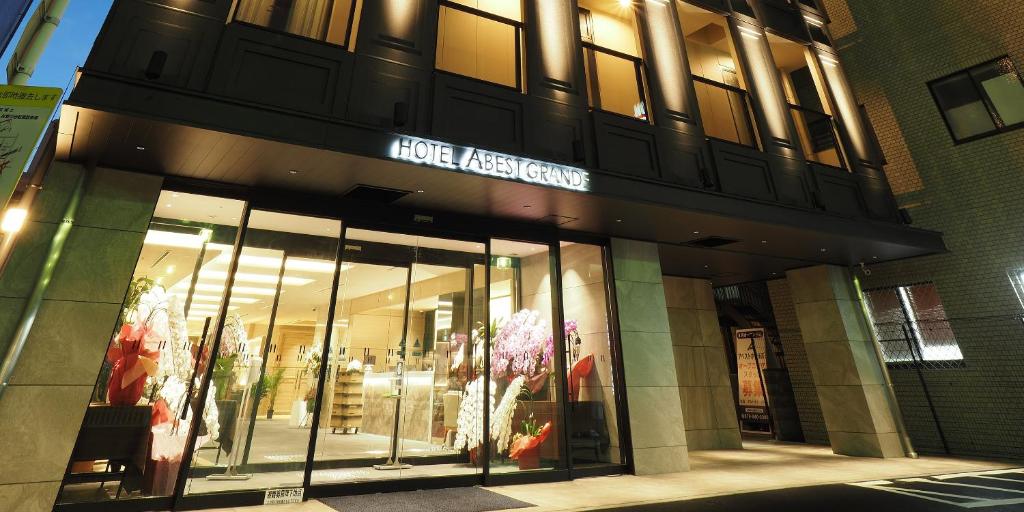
<point x="407" y="347"/>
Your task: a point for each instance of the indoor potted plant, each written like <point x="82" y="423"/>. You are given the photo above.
<point x="268" y="389"/>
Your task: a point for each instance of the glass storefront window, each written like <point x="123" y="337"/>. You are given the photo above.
<point x="612" y="59"/>
<point x="721" y="93"/>
<point x="589" y="367"/>
<point x="323" y="20"/>
<point x="134" y="433"/>
<point x="525" y="427"/>
<point x="428" y="368"/>
<point x="267" y="364"/>
<point x="481" y="39"/>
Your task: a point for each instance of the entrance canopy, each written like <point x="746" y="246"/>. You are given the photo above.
<point x="757" y="240"/>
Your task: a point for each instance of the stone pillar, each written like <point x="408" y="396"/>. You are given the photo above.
<point x="673" y="95"/>
<point x="42" y="410"/>
<point x="844" y="364"/>
<point x="775" y="124"/>
<point x="701" y="366"/>
<point x="656" y="424"/>
<point x="553" y="58"/>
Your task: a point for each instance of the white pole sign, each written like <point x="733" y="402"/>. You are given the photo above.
<point x="489" y="163"/>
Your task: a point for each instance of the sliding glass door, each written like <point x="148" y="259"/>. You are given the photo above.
<point x="404" y="370"/>
<point x="255" y="426"/>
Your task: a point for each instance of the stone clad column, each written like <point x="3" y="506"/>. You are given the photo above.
<point x="776" y="127"/>
<point x="42" y="409"/>
<point x="652" y="388"/>
<point x="553" y="57"/>
<point x="701" y="366"/>
<point x="844" y="364"/>
<point x="671" y="84"/>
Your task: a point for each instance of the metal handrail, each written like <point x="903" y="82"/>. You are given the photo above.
<point x="483" y="14"/>
<point x="744" y="97"/>
<point x="708" y="81"/>
<point x="833" y="129"/>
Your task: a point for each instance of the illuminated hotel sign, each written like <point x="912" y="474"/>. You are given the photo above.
<point x="489" y="163"/>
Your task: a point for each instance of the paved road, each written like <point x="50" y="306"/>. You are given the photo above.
<point x="985" y="491"/>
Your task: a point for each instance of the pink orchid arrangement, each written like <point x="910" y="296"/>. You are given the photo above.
<point x="522" y="346"/>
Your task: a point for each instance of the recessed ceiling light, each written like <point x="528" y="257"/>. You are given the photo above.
<point x="696" y="232"/>
<point x="764" y="241"/>
<point x="292" y="171"/>
<point x="823" y="249"/>
<point x="175" y="194"/>
<point x="874" y="257"/>
<point x="527" y="206"/>
<point x="140" y="148"/>
<point x="419" y="191"/>
<point x="618" y="220"/>
<point x="168" y="205"/>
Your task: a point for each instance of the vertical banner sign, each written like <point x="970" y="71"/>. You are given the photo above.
<point x="24" y="112"/>
<point x="753" y="410"/>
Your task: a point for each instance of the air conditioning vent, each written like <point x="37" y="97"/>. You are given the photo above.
<point x="711" y="242"/>
<point x="373" y="194"/>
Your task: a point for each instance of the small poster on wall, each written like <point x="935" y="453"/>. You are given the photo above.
<point x="750" y="362"/>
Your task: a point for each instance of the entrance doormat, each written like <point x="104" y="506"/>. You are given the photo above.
<point x="458" y="499"/>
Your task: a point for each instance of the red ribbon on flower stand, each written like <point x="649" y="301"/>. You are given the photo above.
<point x="526" y="449"/>
<point x="133" y="362"/>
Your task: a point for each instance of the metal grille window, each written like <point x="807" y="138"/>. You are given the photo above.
<point x="981" y="101"/>
<point x="911" y="326"/>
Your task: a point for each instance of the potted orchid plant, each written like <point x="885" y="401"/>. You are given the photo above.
<point x="523" y="345"/>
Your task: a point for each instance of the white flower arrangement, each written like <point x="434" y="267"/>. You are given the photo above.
<point x="501" y="419"/>
<point x="471" y="422"/>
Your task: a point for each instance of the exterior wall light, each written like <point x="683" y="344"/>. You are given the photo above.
<point x="14" y="220"/>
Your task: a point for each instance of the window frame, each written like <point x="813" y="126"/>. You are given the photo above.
<point x="520" y="29"/>
<point x="985" y="99"/>
<point x="349" y="26"/>
<point x="639" y="69"/>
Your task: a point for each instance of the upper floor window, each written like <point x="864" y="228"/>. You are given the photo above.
<point x="805" y="92"/>
<point x="611" y="48"/>
<point x="721" y="94"/>
<point x="481" y="39"/>
<point x="323" y="20"/>
<point x="910" y="324"/>
<point x="982" y="100"/>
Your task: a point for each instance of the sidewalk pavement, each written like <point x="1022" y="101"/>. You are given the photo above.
<point x="760" y="466"/>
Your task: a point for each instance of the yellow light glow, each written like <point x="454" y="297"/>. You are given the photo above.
<point x="220" y="275"/>
<point x="245" y="290"/>
<point x="171" y="239"/>
<point x="14" y="220"/>
<point x="170" y="269"/>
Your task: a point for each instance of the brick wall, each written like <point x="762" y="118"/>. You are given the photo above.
<point x="970" y="192"/>
<point x="811" y="420"/>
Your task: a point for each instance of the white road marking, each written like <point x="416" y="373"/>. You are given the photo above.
<point x="966" y="501"/>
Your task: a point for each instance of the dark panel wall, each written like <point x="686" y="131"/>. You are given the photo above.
<point x="387" y="81"/>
